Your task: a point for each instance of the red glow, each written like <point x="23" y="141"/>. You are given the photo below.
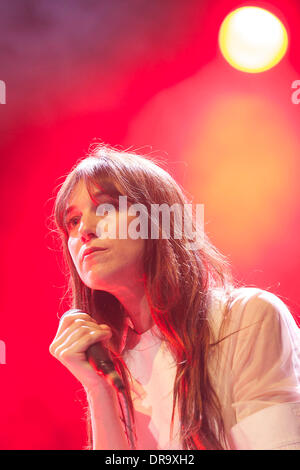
<point x="148" y="77"/>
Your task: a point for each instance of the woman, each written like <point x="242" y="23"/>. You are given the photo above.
<point x="205" y="364"/>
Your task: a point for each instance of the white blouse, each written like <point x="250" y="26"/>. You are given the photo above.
<point x="257" y="378"/>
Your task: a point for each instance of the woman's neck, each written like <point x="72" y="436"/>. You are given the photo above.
<point x="136" y="307"/>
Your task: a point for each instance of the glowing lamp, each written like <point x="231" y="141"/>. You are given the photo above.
<point x="252" y="39"/>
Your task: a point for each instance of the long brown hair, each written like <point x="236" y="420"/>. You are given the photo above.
<point x="178" y="283"/>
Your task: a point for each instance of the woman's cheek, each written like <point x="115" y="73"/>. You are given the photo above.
<point x="72" y="250"/>
<point x="107" y="227"/>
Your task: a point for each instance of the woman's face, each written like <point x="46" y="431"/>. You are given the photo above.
<point x="121" y="261"/>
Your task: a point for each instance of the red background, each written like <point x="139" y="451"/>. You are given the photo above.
<point x="142" y="74"/>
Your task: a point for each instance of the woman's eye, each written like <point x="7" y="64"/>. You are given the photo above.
<point x="72" y="222"/>
<point x="108" y="206"/>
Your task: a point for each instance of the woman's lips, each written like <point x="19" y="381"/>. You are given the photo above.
<point x="95" y="252"/>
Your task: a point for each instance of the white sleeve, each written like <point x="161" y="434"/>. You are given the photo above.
<point x="275" y="427"/>
<point x="266" y="376"/>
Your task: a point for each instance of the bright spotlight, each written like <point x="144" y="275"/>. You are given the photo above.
<point x="252" y="39"/>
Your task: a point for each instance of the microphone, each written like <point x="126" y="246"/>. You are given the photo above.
<point x="99" y="359"/>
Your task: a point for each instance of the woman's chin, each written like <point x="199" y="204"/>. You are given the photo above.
<point x="95" y="282"/>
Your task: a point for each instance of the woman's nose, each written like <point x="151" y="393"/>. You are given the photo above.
<point x="87" y="227"/>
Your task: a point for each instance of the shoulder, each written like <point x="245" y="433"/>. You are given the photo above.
<point x="256" y="296"/>
<point x="250" y="306"/>
<point x="254" y="303"/>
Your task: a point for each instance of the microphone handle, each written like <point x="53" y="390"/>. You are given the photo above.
<point x="98" y="357"/>
<point x="100" y="361"/>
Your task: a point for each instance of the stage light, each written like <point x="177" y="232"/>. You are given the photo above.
<point x="252" y="39"/>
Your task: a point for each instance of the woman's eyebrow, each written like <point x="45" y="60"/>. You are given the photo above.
<point x="102" y="193"/>
<point x="106" y="192"/>
<point x="68" y="210"/>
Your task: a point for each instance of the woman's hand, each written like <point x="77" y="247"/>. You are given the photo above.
<point x="76" y="332"/>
